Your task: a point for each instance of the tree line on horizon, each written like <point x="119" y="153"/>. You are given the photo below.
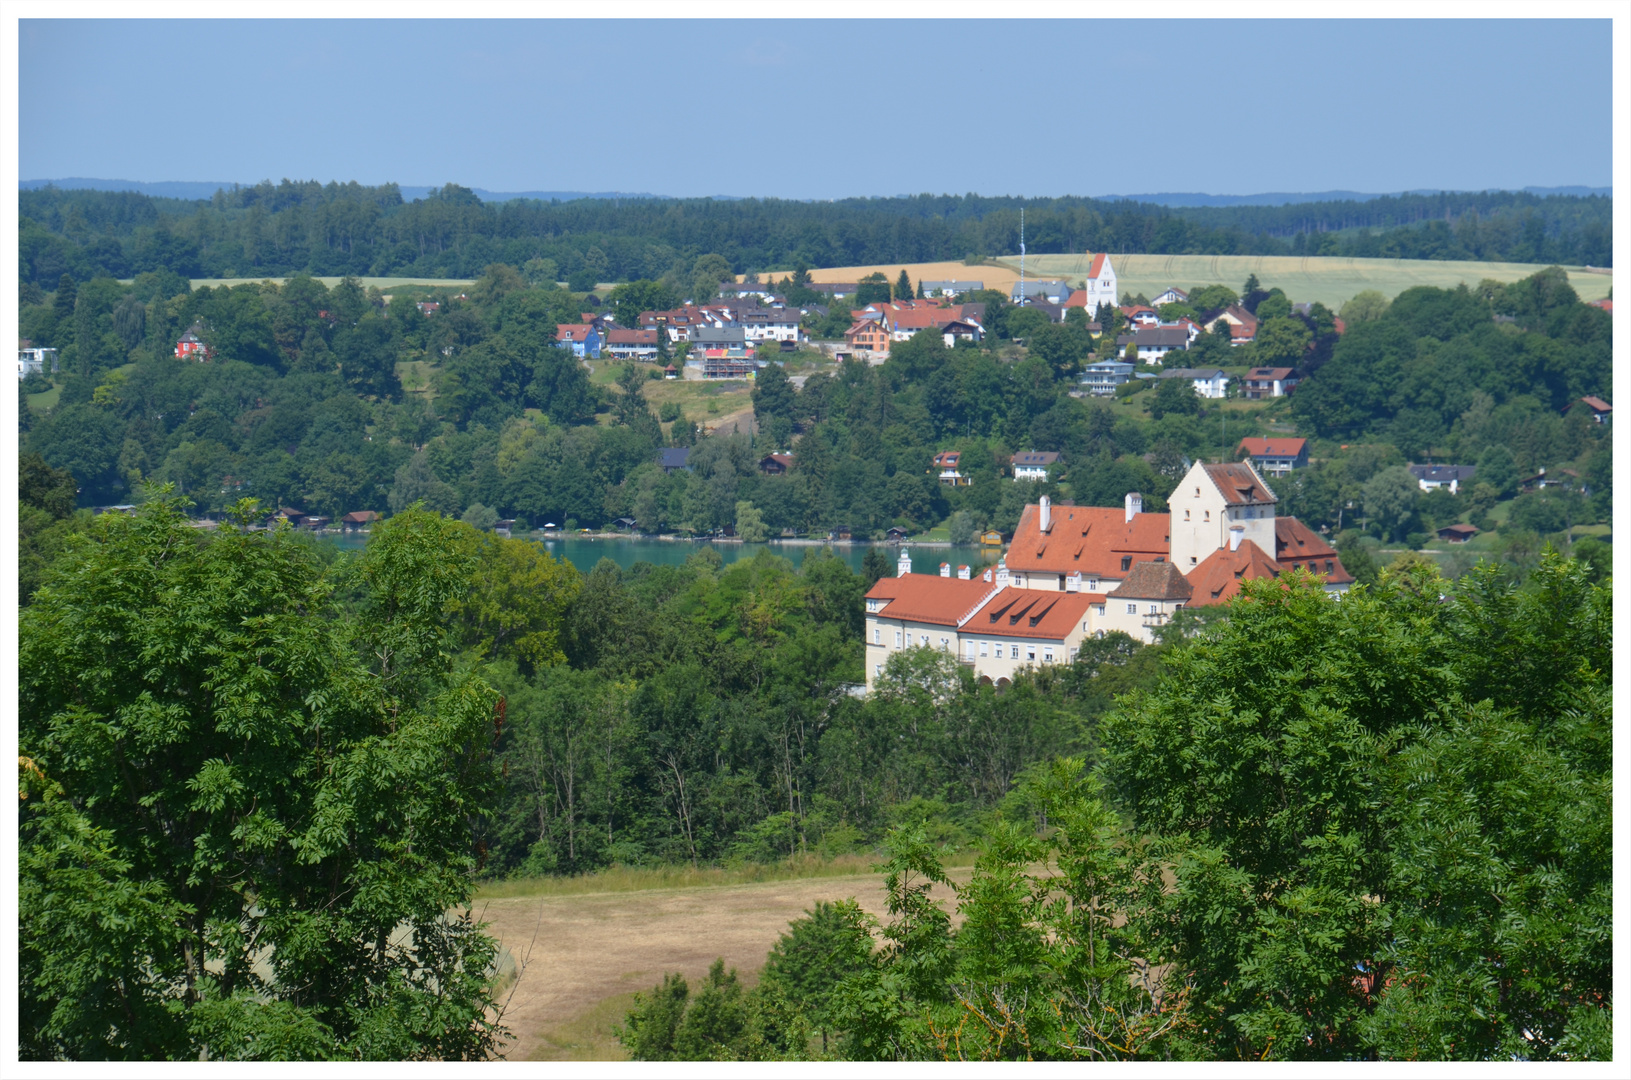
<point x="269" y="230"/>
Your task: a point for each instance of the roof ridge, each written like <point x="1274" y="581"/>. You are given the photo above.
<point x="984" y="600"/>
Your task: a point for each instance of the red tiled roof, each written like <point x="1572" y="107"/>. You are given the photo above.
<point x="1244" y="333"/>
<point x="1096" y="267"/>
<point x="1031" y="613"/>
<point x="1239" y="484"/>
<point x="1269" y="373"/>
<point x="1089" y="539"/>
<point x="1606" y="305"/>
<point x="1296" y="545"/>
<point x="572" y="332"/>
<point x="1271" y="447"/>
<point x="1463" y="530"/>
<point x="948" y="458"/>
<point x="929" y="598"/>
<point x="1217" y="579"/>
<point x="1597" y="404"/>
<point x="631" y="337"/>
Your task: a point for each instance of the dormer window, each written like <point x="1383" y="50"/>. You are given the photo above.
<point x="1126" y="563"/>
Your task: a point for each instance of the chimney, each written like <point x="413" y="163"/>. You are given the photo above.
<point x="1047" y="514"/>
<point x="904" y="567"/>
<point x="945" y="569"/>
<point x="1236" y="534"/>
<point x="1135" y="504"/>
<point x="1002" y="572"/>
<point x="962" y="573"/>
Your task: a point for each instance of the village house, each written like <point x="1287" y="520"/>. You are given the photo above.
<point x="1297" y="547"/>
<point x="1171" y="296"/>
<point x="729" y="367"/>
<point x="946" y="461"/>
<point x="1432" y="477"/>
<point x="674" y="458"/>
<point x="1102" y="377"/>
<point x="1242" y="324"/>
<point x="632" y="344"/>
<point x="770" y="324"/>
<point x="428" y="307"/>
<point x="191" y="346"/>
<point x="1153" y="343"/>
<point x="718" y="342"/>
<point x="868" y="339"/>
<point x="1145" y="601"/>
<point x="581" y="338"/>
<point x="775" y="464"/>
<point x="1054" y="292"/>
<point x="358" y="519"/>
<point x="36" y="361"/>
<point x="1141" y="316"/>
<point x="1034" y="465"/>
<point x="1210" y="383"/>
<point x="1274" y="457"/>
<point x="1269" y="382"/>
<point x="1601" y="411"/>
<point x="987" y="625"/>
<point x="1458" y="534"/>
<point x="950" y="288"/>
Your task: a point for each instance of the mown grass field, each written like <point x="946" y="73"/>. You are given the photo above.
<point x="1329" y="281"/>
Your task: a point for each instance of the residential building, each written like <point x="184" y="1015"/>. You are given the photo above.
<point x="1269" y="382"/>
<point x="718" y="341"/>
<point x="838" y="290"/>
<point x="41" y="361"/>
<point x="1141" y="316"/>
<point x="1274" y="457"/>
<point x="358" y="519"/>
<point x="1153" y="343"/>
<point x="771" y="324"/>
<point x="904" y="322"/>
<point x="1242" y="324"/>
<point x="991" y="538"/>
<point x="1171" y="296"/>
<point x="1297" y="547"/>
<point x="1218" y="578"/>
<point x="950" y="288"/>
<point x="947" y="461"/>
<point x="1084" y="548"/>
<point x="1099" y="285"/>
<point x="869" y="339"/>
<point x="1054" y="292"/>
<point x="1146" y="600"/>
<point x="775" y="464"/>
<point x="1211" y="503"/>
<point x="1210" y="383"/>
<point x="1430" y="477"/>
<point x="1458" y="534"/>
<point x="581" y="338"/>
<point x="191" y="346"/>
<point x="674" y="458"/>
<point x="1601" y="411"/>
<point x="632" y="344"/>
<point x="960" y="330"/>
<point x="1102" y="378"/>
<point x="428" y="307"/>
<point x="987" y="625"/>
<point x="1034" y="465"/>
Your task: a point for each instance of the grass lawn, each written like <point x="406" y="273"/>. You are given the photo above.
<point x="46" y="401"/>
<point x="701" y="400"/>
<point x="416" y="375"/>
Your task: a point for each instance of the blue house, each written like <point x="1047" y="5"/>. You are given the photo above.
<point x="582" y="338"/>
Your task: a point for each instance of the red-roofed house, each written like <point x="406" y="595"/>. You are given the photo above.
<point x="1297" y="547"/>
<point x="1084" y="548"/>
<point x="1217" y="579"/>
<point x="984" y="622"/>
<point x="1274" y="457"/>
<point x="1606" y="305"/>
<point x="632" y="344"/>
<point x="946" y="461"/>
<point x="869" y="338"/>
<point x="1601" y="411"/>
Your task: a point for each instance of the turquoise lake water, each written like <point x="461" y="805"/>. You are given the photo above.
<point x="585" y="553"/>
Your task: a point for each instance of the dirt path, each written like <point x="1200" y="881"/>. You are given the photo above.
<point x="586" y="949"/>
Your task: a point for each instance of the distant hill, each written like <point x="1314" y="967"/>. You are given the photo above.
<point x="1283" y="198"/>
<point x="204" y="189"/>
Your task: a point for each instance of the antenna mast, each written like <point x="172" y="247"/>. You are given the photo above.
<point x="1022" y="256"/>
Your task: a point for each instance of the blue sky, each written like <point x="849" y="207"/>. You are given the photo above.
<point x="823" y="109"/>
